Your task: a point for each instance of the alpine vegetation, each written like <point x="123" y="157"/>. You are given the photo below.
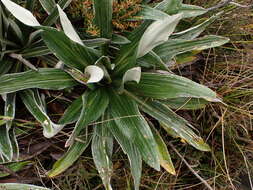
<point x="123" y="80"/>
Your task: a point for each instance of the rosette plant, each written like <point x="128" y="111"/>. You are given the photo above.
<point x="123" y="80"/>
<point x="19" y="44"/>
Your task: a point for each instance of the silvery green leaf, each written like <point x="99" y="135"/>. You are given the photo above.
<point x="22" y="14"/>
<point x="102" y="145"/>
<point x="157" y="33"/>
<point x="67" y="27"/>
<point x="49" y="128"/>
<point x="48" y="5"/>
<point x="95" y="73"/>
<point x="73" y="153"/>
<point x="130" y="149"/>
<point x="195" y="31"/>
<point x="149" y="13"/>
<point x="19" y="186"/>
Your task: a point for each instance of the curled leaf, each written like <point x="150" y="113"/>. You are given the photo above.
<point x="95" y="73"/>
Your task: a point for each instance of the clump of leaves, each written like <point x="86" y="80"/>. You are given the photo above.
<point x="19" y="44"/>
<point x="124" y="77"/>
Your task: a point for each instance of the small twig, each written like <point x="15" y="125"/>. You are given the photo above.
<point x="190" y="168"/>
<point x="226" y="2"/>
<point x="220" y="5"/>
<point x="22" y="60"/>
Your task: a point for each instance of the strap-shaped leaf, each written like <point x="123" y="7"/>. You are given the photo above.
<point x="103" y="17"/>
<point x="9" y="109"/>
<point x="44" y="78"/>
<point x="126" y="58"/>
<point x="68" y="51"/>
<point x="149" y="13"/>
<point x="19" y="186"/>
<point x="67" y="27"/>
<point x="94" y="104"/>
<point x="195" y="31"/>
<point x="164" y="86"/>
<point x="6" y="149"/>
<point x="186" y="103"/>
<point x="157" y="33"/>
<point x="73" y="153"/>
<point x="102" y="145"/>
<point x="134" y="127"/>
<point x="49" y="128"/>
<point x="176" y="6"/>
<point x="35" y="52"/>
<point x="15" y="167"/>
<point x="151" y="59"/>
<point x="171" y="122"/>
<point x="54" y="14"/>
<point x="48" y="5"/>
<point x="22" y="14"/>
<point x="174" y="47"/>
<point x="164" y="155"/>
<point x="72" y="113"/>
<point x="129" y="149"/>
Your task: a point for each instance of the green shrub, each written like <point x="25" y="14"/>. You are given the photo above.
<point x="123" y="77"/>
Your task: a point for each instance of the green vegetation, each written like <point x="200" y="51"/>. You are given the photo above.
<point x="120" y="90"/>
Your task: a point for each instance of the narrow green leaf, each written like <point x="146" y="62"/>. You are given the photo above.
<point x="119" y="39"/>
<point x="195" y="31"/>
<point x="176" y="6"/>
<point x="6" y="149"/>
<point x="102" y="145"/>
<point x="48" y="5"/>
<point x="165" y="86"/>
<point x="171" y="122"/>
<point x="69" y="52"/>
<point x="19" y="186"/>
<point x="134" y="127"/>
<point x="164" y="155"/>
<point x="94" y="104"/>
<point x="49" y="128"/>
<point x="73" y="153"/>
<point x="130" y="149"/>
<point x="149" y="13"/>
<point x="174" y="47"/>
<point x="9" y="108"/>
<point x="151" y="59"/>
<point x="15" y="167"/>
<point x="5" y="66"/>
<point x="97" y="42"/>
<point x="35" y="52"/>
<point x="54" y="13"/>
<point x="126" y="58"/>
<point x="191" y="10"/>
<point x="103" y="17"/>
<point x="72" y="113"/>
<point x="185" y="103"/>
<point x="44" y="78"/>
